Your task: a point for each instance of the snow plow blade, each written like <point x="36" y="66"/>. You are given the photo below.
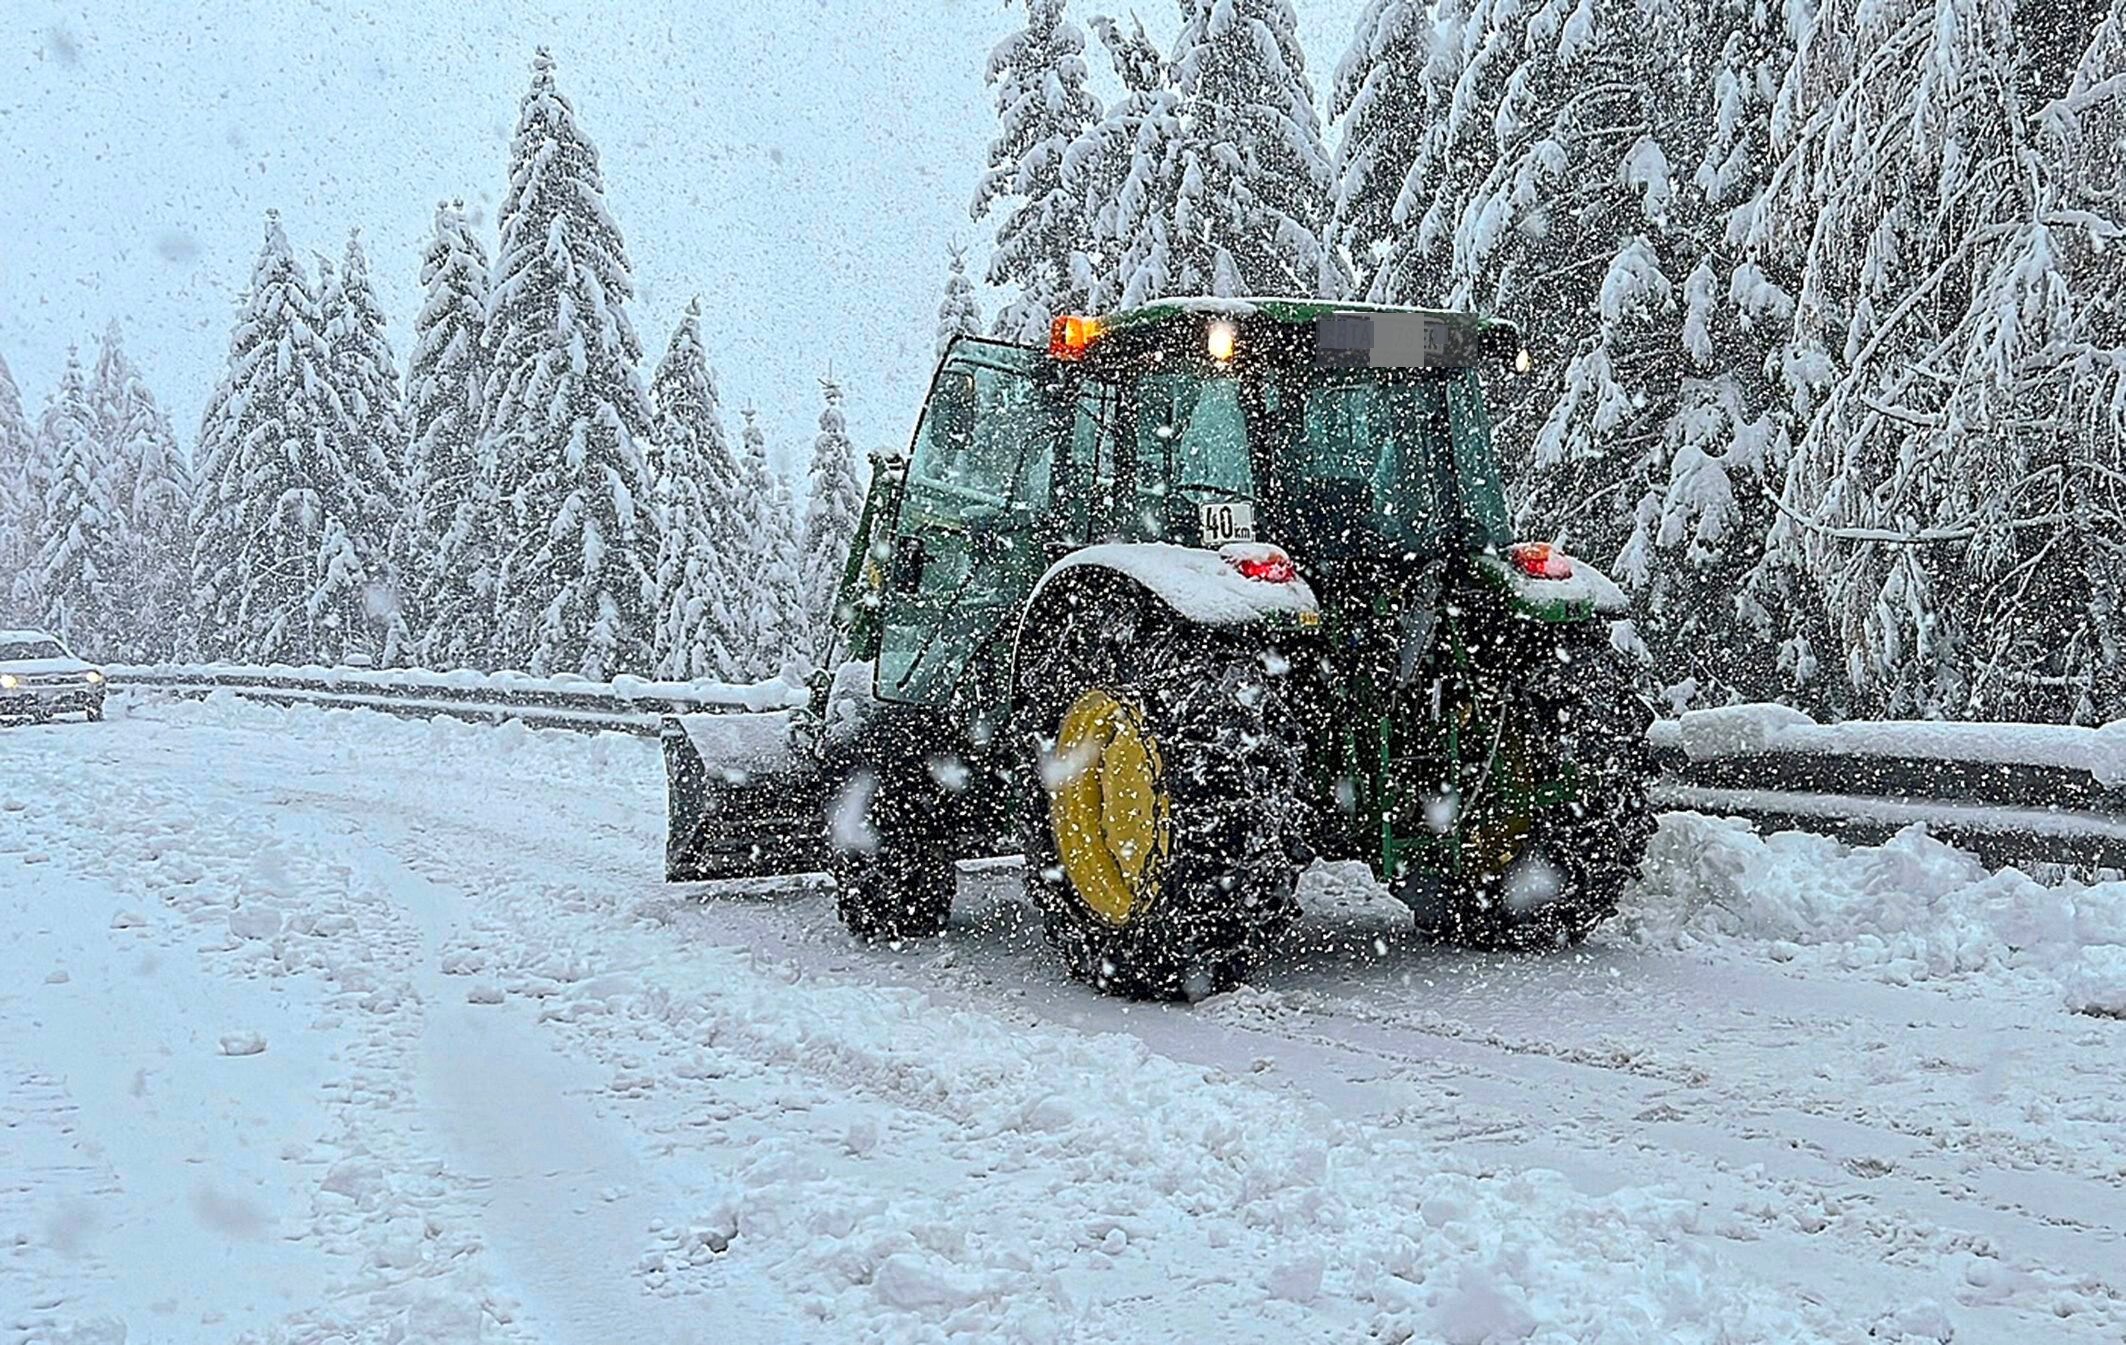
<point x="741" y="802"/>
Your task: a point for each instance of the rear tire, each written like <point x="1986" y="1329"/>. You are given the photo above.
<point x="1561" y="869"/>
<point x="1204" y="725"/>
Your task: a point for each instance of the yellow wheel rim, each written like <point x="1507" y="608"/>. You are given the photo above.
<point x="1108" y="805"/>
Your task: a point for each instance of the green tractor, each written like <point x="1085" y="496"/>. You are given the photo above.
<point x="1200" y="593"/>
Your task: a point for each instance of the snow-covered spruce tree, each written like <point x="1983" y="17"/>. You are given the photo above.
<point x="1043" y="108"/>
<point x="1227" y="191"/>
<point x="445" y="543"/>
<point x="1904" y="162"/>
<point x="959" y="312"/>
<point x="566" y="418"/>
<point x="17" y="446"/>
<point x="365" y="375"/>
<point x="2037" y="420"/>
<point x="1535" y="161"/>
<point x="702" y="569"/>
<point x="278" y="569"/>
<point x="772" y="618"/>
<point x="1114" y="182"/>
<point x="1381" y="86"/>
<point x="74" y="584"/>
<point x="151" y="487"/>
<point x="1721" y="623"/>
<point x="834" y="500"/>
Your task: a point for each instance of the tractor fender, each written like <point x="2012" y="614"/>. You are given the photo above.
<point x="1586" y="593"/>
<point x="1198" y="585"/>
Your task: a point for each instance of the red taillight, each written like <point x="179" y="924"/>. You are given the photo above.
<point x="1071" y="335"/>
<point x="1540" y="560"/>
<point x="1271" y="567"/>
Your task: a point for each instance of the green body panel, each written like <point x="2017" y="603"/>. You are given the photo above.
<point x="1390" y="747"/>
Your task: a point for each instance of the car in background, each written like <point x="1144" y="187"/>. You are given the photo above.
<point x="39" y="678"/>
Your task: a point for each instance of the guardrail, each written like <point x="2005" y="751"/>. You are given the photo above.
<point x="625" y="704"/>
<point x="2009" y="793"/>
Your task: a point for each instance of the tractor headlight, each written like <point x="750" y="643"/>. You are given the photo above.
<point x="95" y="676"/>
<point x="8" y="681"/>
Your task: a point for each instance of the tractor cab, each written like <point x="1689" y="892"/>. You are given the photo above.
<point x="1342" y="435"/>
<point x="1354" y="439"/>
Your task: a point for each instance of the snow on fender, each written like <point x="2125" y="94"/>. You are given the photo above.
<point x="1583" y="587"/>
<point x="1205" y="587"/>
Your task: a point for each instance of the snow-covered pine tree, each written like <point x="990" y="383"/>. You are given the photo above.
<point x="445" y="543"/>
<point x="1904" y="163"/>
<point x="17" y="445"/>
<point x="74" y="584"/>
<point x="1383" y="82"/>
<point x="1229" y="194"/>
<point x="1043" y="108"/>
<point x="566" y="418"/>
<point x="1120" y="166"/>
<point x="2040" y="405"/>
<point x="959" y="313"/>
<point x="365" y="374"/>
<point x="151" y="487"/>
<point x="834" y="501"/>
<point x="772" y="619"/>
<point x="1721" y="623"/>
<point x="703" y="570"/>
<point x="278" y="571"/>
<point x="1523" y="160"/>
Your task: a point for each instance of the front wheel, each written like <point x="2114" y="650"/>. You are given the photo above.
<point x="1556" y="822"/>
<point x="895" y="832"/>
<point x="1165" y="790"/>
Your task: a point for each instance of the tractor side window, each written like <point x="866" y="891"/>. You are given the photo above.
<point x="1084" y="508"/>
<point x="967" y="543"/>
<point x="1476" y="463"/>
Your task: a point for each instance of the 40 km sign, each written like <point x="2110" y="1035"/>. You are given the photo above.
<point x="1227" y="521"/>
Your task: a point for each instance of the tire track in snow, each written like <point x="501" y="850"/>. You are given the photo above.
<point x="1533" y="1063"/>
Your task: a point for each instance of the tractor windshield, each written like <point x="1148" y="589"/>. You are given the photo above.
<point x="1359" y="462"/>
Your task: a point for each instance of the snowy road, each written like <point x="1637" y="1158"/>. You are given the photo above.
<point x="512" y="1088"/>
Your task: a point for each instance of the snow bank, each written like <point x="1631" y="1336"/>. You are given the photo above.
<point x="1913" y="909"/>
<point x="1738" y="730"/>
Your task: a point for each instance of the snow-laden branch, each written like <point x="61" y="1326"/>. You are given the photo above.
<point x="1962" y="532"/>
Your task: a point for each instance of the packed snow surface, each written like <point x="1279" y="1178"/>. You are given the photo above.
<point x="324" y="1025"/>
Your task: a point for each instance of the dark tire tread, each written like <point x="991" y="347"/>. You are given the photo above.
<point x="1233" y="773"/>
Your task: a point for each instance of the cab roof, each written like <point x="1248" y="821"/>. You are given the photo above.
<point x="1282" y="308"/>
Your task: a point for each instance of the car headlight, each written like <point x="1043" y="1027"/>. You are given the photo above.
<point x="95" y="676"/>
<point x="8" y="681"/>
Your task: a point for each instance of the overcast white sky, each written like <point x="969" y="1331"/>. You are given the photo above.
<point x="799" y="163"/>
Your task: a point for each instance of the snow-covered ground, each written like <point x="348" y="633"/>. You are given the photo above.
<point x="320" y="1025"/>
